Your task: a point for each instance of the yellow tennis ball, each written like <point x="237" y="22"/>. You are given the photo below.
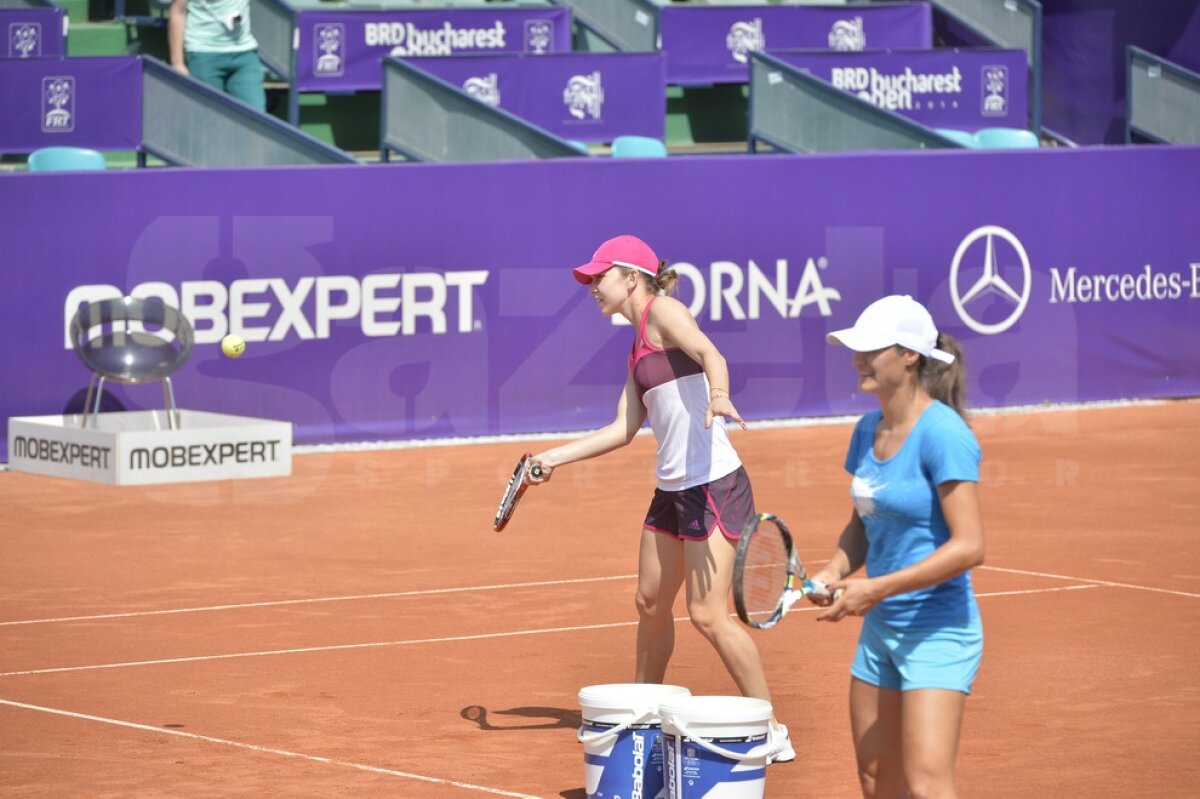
<point x="233" y="346"/>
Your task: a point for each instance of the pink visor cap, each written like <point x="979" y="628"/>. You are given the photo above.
<point x="898" y="319"/>
<point x="629" y="251"/>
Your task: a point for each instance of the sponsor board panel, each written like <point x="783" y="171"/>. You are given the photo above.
<point x="464" y="320"/>
<point x="710" y="44"/>
<point x="960" y="89"/>
<point x="581" y="96"/>
<point x="342" y="49"/>
<point x="90" y="102"/>
<point x="138" y="447"/>
<point x="33" y="32"/>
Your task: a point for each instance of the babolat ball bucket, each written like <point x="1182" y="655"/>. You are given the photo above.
<point x="621" y="732"/>
<point x="716" y="746"/>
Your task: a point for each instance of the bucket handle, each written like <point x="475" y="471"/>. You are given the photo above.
<point x="760" y="751"/>
<point x="639" y="715"/>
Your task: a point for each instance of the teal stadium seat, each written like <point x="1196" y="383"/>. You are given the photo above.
<point x="959" y="136"/>
<point x="638" y="147"/>
<point x="65" y="159"/>
<point x="1006" y="138"/>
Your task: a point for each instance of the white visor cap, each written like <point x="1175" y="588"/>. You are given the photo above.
<point x="898" y="319"/>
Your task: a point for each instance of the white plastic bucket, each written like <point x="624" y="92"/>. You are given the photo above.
<point x="715" y="747"/>
<point x="621" y="732"/>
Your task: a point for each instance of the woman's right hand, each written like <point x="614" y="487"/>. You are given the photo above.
<point x="543" y="471"/>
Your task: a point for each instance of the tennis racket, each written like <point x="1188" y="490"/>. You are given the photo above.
<point x="768" y="577"/>
<point x="517" y="484"/>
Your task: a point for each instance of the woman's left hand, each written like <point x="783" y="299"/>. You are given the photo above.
<point x="857" y="597"/>
<point x="721" y="406"/>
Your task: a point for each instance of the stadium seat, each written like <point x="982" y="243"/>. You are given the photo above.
<point x="959" y="136"/>
<point x="64" y="159"/>
<point x="131" y="340"/>
<point x="1006" y="138"/>
<point x="638" y="147"/>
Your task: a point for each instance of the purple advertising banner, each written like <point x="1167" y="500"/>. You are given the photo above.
<point x="83" y="102"/>
<point x="386" y="302"/>
<point x="960" y="89"/>
<point x="343" y="49"/>
<point x="33" y="32"/>
<point x="582" y="96"/>
<point x="709" y="44"/>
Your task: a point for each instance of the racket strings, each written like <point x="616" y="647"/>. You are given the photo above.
<point x="764" y="571"/>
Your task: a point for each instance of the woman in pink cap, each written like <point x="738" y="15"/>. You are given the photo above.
<point x="678" y="379"/>
<point x="916" y="526"/>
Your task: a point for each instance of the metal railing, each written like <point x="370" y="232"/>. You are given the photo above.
<point x="627" y="25"/>
<point x="1162" y="99"/>
<point x="795" y="112"/>
<point x="187" y="123"/>
<point x="427" y="119"/>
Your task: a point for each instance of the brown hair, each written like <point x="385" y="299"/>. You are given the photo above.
<point x="663" y="282"/>
<point x="946" y="381"/>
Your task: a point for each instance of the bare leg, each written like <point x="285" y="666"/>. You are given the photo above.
<point x="931" y="723"/>
<point x="709" y="567"/>
<point x="875" y="725"/>
<point x="660" y="573"/>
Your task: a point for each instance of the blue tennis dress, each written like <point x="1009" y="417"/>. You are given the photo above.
<point x="898" y="502"/>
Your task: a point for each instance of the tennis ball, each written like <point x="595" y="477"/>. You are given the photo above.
<point x="233" y="346"/>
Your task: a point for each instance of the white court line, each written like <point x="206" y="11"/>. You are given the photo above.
<point x="311" y="600"/>
<point x="496" y="587"/>
<point x="329" y="648"/>
<point x="414" y="641"/>
<point x="1090" y="581"/>
<point x="267" y="750"/>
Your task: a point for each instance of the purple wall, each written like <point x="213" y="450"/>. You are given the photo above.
<point x="411" y="301"/>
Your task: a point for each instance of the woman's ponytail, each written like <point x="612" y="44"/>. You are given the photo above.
<point x="946" y="381"/>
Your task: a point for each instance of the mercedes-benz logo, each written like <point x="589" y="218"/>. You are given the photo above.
<point x="991" y="281"/>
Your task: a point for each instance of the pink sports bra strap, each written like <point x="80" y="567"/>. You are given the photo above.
<point x="642" y="325"/>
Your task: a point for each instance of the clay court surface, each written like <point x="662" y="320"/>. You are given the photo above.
<point x="358" y="630"/>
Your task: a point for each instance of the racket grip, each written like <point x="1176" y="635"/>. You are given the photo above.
<point x="535" y="470"/>
<point x="816" y="588"/>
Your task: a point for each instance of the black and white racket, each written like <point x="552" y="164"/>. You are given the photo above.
<point x="517" y="484"/>
<point x="768" y="577"/>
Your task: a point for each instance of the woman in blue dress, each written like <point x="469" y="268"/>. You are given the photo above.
<point x="916" y="527"/>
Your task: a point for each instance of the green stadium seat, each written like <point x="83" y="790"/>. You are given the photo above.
<point x="959" y="136"/>
<point x="1006" y="138"/>
<point x="65" y="159"/>
<point x="638" y="147"/>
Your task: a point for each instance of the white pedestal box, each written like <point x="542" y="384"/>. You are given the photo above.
<point x="139" y="448"/>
